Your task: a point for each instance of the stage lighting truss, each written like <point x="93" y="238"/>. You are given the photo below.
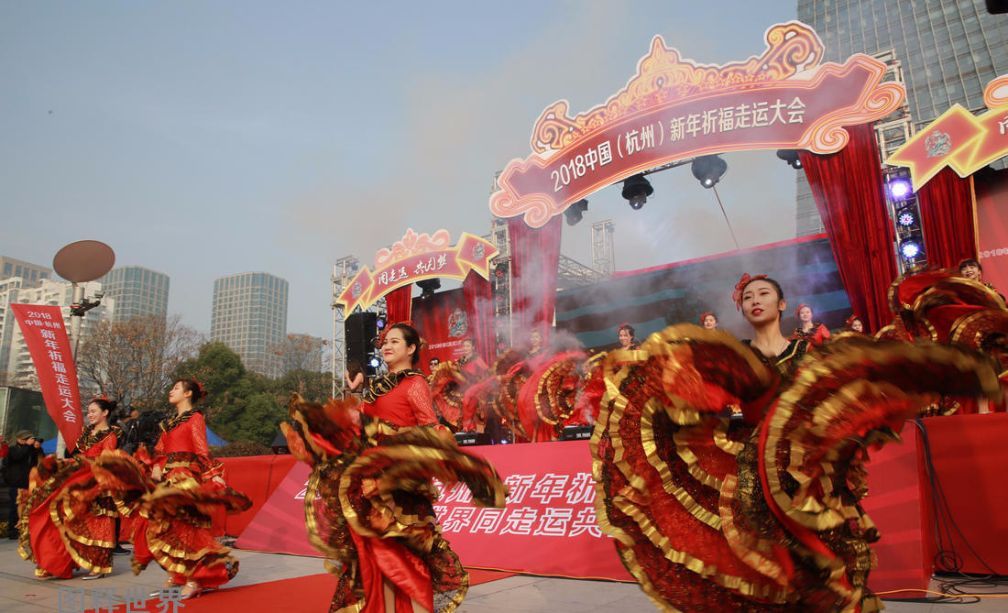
<point x="575" y="212"/>
<point x="906" y="217"/>
<point x="905" y="214"/>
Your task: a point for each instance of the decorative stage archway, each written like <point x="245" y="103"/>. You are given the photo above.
<point x="674" y="109"/>
<point x="414" y="258"/>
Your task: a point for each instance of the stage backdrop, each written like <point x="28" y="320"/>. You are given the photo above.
<point x="992" y="221"/>
<point x="443" y="323"/>
<point x="649" y="299"/>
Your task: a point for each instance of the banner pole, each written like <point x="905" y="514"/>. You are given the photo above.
<point x="75" y="325"/>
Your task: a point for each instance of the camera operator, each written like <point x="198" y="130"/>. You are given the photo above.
<point x="24" y="454"/>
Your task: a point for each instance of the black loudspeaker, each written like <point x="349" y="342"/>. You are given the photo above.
<point x="360" y="331"/>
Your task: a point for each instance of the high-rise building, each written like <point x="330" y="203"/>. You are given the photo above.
<point x="948" y="53"/>
<point x="15" y="360"/>
<point x="137" y="291"/>
<point x="250" y="316"/>
<point x="30" y="274"/>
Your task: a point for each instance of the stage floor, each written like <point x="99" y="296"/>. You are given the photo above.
<point x="21" y="593"/>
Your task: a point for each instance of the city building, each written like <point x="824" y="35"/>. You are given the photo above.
<point x="137" y="291"/>
<point x="15" y="360"/>
<point x="948" y="53"/>
<point x="30" y="274"/>
<point x="250" y="316"/>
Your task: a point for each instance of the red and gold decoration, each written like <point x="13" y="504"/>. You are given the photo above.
<point x="417" y="257"/>
<point x="959" y="139"/>
<point x="674" y="109"/>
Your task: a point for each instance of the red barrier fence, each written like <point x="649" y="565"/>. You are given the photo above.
<point x="548" y="526"/>
<point x="257" y="477"/>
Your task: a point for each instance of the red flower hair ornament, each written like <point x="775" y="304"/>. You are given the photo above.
<point x="745" y="280"/>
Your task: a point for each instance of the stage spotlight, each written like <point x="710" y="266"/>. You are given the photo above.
<point x="791" y="157"/>
<point x="899" y="189"/>
<point x="374" y="362"/>
<point x="636" y="189"/>
<point x="575" y="212"/>
<point x="428" y="287"/>
<point x="910" y="249"/>
<point x="708" y="169"/>
<point x="905" y="218"/>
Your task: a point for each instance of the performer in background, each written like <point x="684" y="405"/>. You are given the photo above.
<point x="354" y="377"/>
<point x="22" y="455"/>
<point x="66" y="520"/>
<point x="181" y="517"/>
<point x="854" y="324"/>
<point x="708" y="320"/>
<point x="813" y="331"/>
<point x="627" y="336"/>
<point x="761" y="513"/>
<point x="369" y="500"/>
<point x="972" y="270"/>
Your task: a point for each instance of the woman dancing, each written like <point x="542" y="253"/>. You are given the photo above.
<point x="179" y="519"/>
<point x="812" y="331"/>
<point x="369" y="499"/>
<point x="67" y="522"/>
<point x="760" y="513"/>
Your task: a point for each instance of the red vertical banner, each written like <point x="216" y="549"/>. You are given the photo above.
<point x="992" y="221"/>
<point x="47" y="341"/>
<point x="443" y="322"/>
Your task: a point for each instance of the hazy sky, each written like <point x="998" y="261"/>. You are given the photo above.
<point x="203" y="139"/>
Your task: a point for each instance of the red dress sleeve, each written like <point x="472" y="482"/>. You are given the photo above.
<point x="420" y="401"/>
<point x="197" y="430"/>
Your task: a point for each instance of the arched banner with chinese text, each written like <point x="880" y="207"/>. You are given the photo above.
<point x="674" y="109"/>
<point x="414" y="258"/>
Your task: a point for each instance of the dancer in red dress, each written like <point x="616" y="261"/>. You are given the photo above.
<point x="450" y="381"/>
<point x="369" y="499"/>
<point x="177" y="520"/>
<point x="627" y="337"/>
<point x="708" y="320"/>
<point x="814" y="332"/>
<point x="67" y="522"/>
<point x="763" y="513"/>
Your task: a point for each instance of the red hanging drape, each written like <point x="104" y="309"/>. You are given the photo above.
<point x="946" y="208"/>
<point x="847" y="187"/>
<point x="479" y="309"/>
<point x="399" y="304"/>
<point x="535" y="257"/>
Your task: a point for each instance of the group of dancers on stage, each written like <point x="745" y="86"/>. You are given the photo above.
<point x="728" y="473"/>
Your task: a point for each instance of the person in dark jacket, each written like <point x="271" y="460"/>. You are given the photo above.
<point x="23" y="455"/>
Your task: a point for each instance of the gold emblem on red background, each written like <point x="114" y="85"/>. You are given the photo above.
<point x="675" y="108"/>
<point x="959" y="139"/>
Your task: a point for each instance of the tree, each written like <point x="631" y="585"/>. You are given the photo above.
<point x="240" y="405"/>
<point x="133" y="361"/>
<point x="312" y="386"/>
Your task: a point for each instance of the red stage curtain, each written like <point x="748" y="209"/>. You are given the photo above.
<point x="479" y="309"/>
<point x="847" y="187"/>
<point x="946" y="207"/>
<point x="535" y="257"/>
<point x="399" y="304"/>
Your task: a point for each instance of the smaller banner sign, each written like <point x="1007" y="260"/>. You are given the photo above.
<point x="45" y="335"/>
<point x="414" y="258"/>
<point x="959" y="139"/>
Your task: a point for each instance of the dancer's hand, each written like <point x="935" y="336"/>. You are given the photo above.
<point x="156" y="473"/>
